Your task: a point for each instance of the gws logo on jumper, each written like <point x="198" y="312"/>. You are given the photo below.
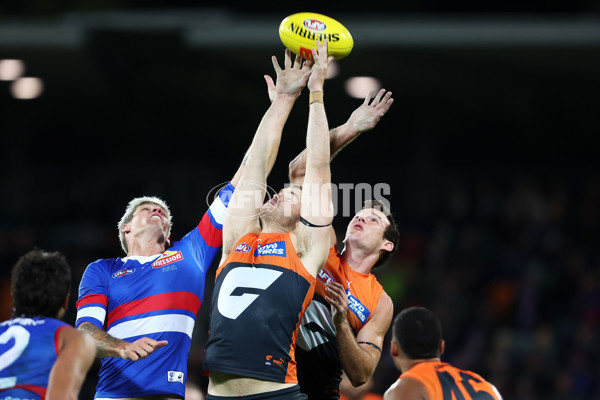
<point x="357" y="307"/>
<point x="123" y="272"/>
<point x="314" y="24"/>
<point x="271" y="249"/>
<point x="175" y="376"/>
<point x="241" y="287"/>
<point x="168" y="257"/>
<point x="324" y="276"/>
<point x="243" y="248"/>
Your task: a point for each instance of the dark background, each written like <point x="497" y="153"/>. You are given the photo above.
<point x="490" y="150"/>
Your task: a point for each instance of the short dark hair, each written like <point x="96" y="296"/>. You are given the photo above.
<point x="40" y="284"/>
<point x="418" y="332"/>
<point x="391" y="233"/>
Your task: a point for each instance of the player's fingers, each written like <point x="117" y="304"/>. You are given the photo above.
<point x="270" y="83"/>
<point x="298" y="62"/>
<point x="378" y="97"/>
<point x="288" y="58"/>
<point x="160" y="343"/>
<point x="131" y="355"/>
<point x="368" y="96"/>
<point x="386" y="106"/>
<point x="332" y="301"/>
<point x="276" y="66"/>
<point x="335" y="293"/>
<point x="154" y="344"/>
<point x="145" y="347"/>
<point x="315" y="54"/>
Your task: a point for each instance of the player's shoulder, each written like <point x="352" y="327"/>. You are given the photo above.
<point x="103" y="263"/>
<point x="407" y="388"/>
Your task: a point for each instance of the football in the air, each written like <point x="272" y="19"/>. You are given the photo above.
<point x="300" y="32"/>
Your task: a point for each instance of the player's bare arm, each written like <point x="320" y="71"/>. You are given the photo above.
<point x="363" y="119"/>
<point x="76" y="353"/>
<point x="358" y="355"/>
<point x="109" y="346"/>
<point x="312" y="243"/>
<point x="406" y="389"/>
<point x="242" y="213"/>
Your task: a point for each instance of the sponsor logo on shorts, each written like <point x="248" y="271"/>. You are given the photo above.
<point x="123" y="272"/>
<point x="175" y="376"/>
<point x="271" y="249"/>
<point x="270" y="360"/>
<point x="243" y="248"/>
<point x="169" y="257"/>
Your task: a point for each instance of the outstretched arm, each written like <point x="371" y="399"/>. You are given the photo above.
<point x="312" y="243"/>
<point x="363" y="119"/>
<point x="246" y="201"/>
<point x="76" y="353"/>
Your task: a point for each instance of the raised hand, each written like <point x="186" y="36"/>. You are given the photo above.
<point x="369" y="113"/>
<point x="319" y="68"/>
<point x="337" y="297"/>
<point x="290" y="80"/>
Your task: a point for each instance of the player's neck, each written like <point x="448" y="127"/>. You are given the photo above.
<point x="145" y="248"/>
<point x="405" y="364"/>
<point x="358" y="259"/>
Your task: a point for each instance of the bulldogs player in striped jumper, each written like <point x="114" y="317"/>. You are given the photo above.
<point x="141" y="308"/>
<point x="42" y="357"/>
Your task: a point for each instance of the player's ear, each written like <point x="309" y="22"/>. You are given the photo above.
<point x="387" y="246"/>
<point x="393" y="348"/>
<point x="442" y="347"/>
<point x="125" y="228"/>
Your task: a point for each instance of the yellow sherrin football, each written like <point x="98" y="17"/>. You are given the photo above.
<point x="299" y="33"/>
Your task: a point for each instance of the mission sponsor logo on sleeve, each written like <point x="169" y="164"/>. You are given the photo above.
<point x="169" y="257"/>
<point x="357" y="307"/>
<point x="271" y="249"/>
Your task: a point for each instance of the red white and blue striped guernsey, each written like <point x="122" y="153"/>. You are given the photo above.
<point x="156" y="297"/>
<point x="28" y="350"/>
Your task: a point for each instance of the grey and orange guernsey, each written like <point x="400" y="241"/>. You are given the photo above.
<point x="261" y="292"/>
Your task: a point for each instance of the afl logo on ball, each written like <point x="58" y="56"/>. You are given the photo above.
<point x="314" y="24"/>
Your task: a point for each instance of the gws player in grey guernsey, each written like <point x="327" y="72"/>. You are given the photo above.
<point x="267" y="275"/>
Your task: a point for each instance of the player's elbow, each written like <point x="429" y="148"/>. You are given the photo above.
<point x="359" y="377"/>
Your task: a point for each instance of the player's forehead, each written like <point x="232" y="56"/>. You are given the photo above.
<point x="151" y="205"/>
<point x="367" y="212"/>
